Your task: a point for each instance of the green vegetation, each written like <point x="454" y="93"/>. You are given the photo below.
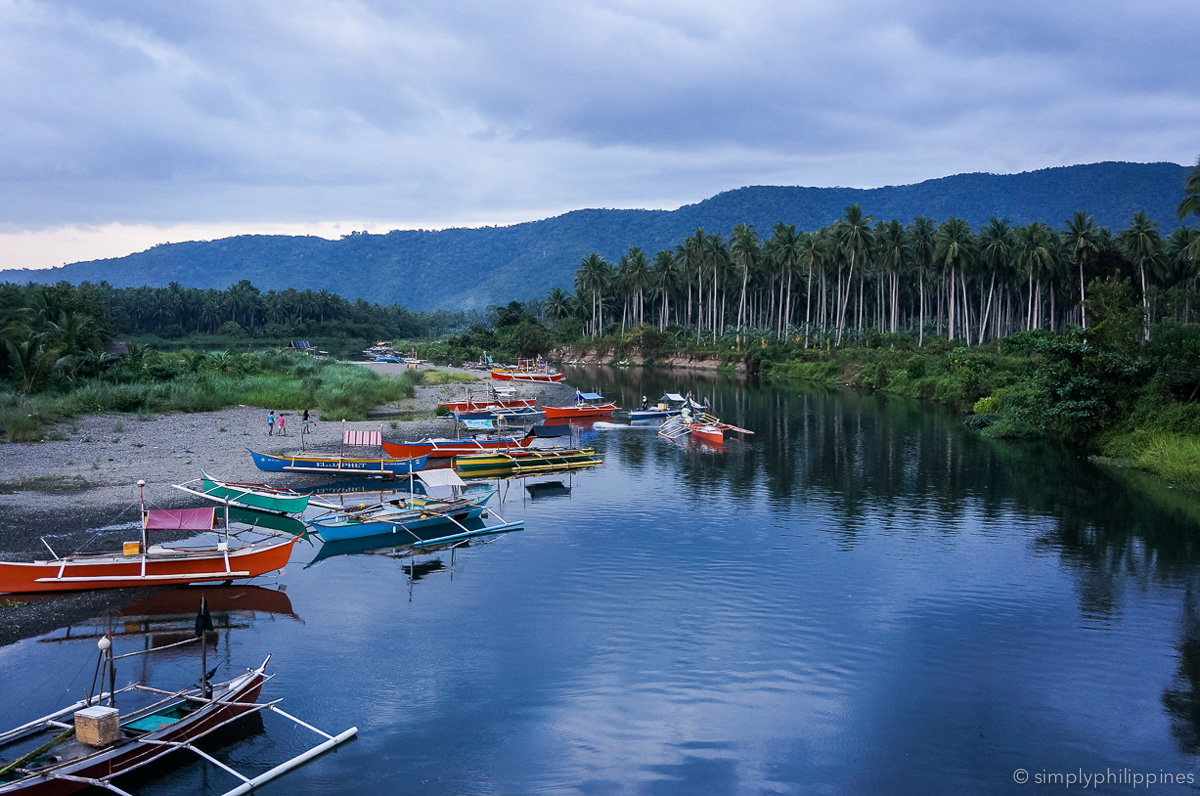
<point x="1078" y="332"/>
<point x="149" y="381"/>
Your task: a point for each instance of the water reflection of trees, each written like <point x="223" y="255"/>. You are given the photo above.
<point x="869" y="461"/>
<point x="1182" y="697"/>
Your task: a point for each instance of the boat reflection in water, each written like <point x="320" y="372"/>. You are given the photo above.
<point x="389" y="544"/>
<point x="433" y="551"/>
<point x="169" y="616"/>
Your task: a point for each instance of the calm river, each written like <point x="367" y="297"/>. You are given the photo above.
<point x="863" y="597"/>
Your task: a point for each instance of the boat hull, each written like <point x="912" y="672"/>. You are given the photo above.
<point x="523" y="375"/>
<point x="582" y="410"/>
<point x="708" y="434"/>
<point x="406" y="531"/>
<point x="636" y="415"/>
<point x="168" y="568"/>
<point x="106" y="761"/>
<point x="507" y="403"/>
<point x="336" y="464"/>
<point x="247" y="496"/>
<point x="494" y="412"/>
<point x="440" y="448"/>
<point x="524" y="461"/>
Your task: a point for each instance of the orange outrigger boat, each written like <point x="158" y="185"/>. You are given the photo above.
<point x="195" y="560"/>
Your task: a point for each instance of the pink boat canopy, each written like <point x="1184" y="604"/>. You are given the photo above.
<point x="181" y="519"/>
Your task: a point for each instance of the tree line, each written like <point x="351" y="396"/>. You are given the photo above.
<point x="859" y="275"/>
<point x="64" y="328"/>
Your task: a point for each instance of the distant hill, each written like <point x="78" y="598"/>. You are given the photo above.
<point x="470" y="268"/>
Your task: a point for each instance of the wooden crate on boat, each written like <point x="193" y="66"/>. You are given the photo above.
<point x="131" y="548"/>
<point x="97" y="725"/>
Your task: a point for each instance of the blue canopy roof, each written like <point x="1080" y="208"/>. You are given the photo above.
<point x="590" y="396"/>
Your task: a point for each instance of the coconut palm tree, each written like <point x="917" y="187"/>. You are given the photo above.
<point x="558" y="304"/>
<point x="592" y="278"/>
<point x="893" y="254"/>
<point x="995" y="252"/>
<point x="813" y="252"/>
<point x="746" y="252"/>
<point x="1191" y="189"/>
<point x="1141" y="243"/>
<point x="854" y="239"/>
<point x="953" y="248"/>
<point x="1083" y="240"/>
<point x="922" y="232"/>
<point x="784" y="251"/>
<point x="691" y="255"/>
<point x="632" y="275"/>
<point x="665" y="277"/>
<point x="1035" y="250"/>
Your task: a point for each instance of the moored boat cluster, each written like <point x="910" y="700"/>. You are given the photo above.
<point x="443" y="499"/>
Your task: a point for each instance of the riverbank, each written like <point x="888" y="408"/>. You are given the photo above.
<point x="79" y="489"/>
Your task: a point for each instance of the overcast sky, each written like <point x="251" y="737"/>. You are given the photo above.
<point x="125" y="124"/>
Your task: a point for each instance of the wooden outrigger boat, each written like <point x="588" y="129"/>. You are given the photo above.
<point x="261" y="497"/>
<point x="338" y="465"/>
<point x="492" y="397"/>
<point x="525" y="460"/>
<point x="438" y="448"/>
<point x="415" y="519"/>
<point x="669" y="405"/>
<point x="103" y="743"/>
<point x="195" y="560"/>
<point x="527" y="370"/>
<point x="705" y="428"/>
<point x="503" y="413"/>
<point x="587" y="404"/>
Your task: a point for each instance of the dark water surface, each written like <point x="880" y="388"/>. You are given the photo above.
<point x="861" y="598"/>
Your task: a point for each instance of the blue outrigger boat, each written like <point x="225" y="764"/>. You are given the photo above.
<point x="412" y="520"/>
<point x="337" y="465"/>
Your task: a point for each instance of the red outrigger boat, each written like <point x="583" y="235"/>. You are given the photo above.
<point x="588" y="404"/>
<point x="193" y="560"/>
<point x="493" y="398"/>
<point x="436" y="448"/>
<point x="527" y="370"/>
<point x="105" y="743"/>
<point x="705" y="428"/>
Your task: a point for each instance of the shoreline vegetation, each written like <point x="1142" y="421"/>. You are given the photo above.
<point x="1079" y="333"/>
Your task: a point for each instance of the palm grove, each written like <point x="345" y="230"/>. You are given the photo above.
<point x="859" y="275"/>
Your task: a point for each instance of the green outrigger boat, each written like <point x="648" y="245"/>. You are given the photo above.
<point x="261" y="497"/>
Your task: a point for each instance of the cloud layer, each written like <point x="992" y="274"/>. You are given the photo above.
<point x="235" y="114"/>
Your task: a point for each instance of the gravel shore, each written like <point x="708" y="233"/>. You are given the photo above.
<point x="67" y="489"/>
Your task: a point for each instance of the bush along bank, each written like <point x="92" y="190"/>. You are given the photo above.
<point x="145" y="381"/>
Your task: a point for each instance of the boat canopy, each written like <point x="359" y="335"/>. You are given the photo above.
<point x="478" y="425"/>
<point x="590" y="396"/>
<point x="181" y="519"/>
<point x="441" y="477"/>
<point x="672" y="396"/>
<point x="364" y="439"/>
<point x="551" y="431"/>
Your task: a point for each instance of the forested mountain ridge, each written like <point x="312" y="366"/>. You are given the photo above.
<point x="468" y="268"/>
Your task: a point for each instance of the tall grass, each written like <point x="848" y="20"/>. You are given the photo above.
<point x="433" y="378"/>
<point x="334" y="390"/>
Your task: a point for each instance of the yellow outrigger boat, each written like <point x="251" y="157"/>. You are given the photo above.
<point x="521" y="461"/>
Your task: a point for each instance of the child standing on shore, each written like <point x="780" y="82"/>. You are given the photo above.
<point x="271" y="423"/>
<point x="282" y="423"/>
